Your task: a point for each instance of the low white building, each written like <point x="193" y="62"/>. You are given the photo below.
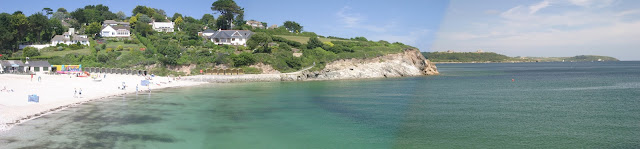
<point x="115" y="31"/>
<point x="255" y="24"/>
<point x="37" y="66"/>
<point x="69" y="38"/>
<point x="207" y="33"/>
<point x="231" y="37"/>
<point x="163" y="26"/>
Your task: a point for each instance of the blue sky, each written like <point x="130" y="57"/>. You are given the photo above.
<point x="514" y="28"/>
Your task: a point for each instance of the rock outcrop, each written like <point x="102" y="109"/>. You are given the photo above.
<point x="408" y="63"/>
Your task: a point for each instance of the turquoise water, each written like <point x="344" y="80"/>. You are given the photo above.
<point x="549" y="105"/>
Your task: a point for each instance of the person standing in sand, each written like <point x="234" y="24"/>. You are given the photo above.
<point x="80" y="93"/>
<point x="75" y="92"/>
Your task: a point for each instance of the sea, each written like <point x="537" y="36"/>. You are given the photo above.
<point x="496" y="105"/>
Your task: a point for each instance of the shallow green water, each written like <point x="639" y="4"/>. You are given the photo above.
<point x="550" y="105"/>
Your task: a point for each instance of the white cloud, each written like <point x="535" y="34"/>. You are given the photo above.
<point x="355" y="20"/>
<point x="534" y="8"/>
<point x="592" y="3"/>
<point x="520" y="30"/>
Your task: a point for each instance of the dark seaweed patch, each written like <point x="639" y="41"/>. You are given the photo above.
<point x="113" y="136"/>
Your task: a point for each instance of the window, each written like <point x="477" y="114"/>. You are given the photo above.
<point x="233" y="39"/>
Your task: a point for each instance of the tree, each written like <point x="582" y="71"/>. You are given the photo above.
<point x="143" y="18"/>
<point x="47" y="11"/>
<point x="179" y="21"/>
<point x="191" y="29"/>
<point x="239" y="21"/>
<point x="158" y="17"/>
<point x="293" y="27"/>
<point x="30" y="52"/>
<point x="7" y="32"/>
<point x="37" y="24"/>
<point x="20" y="23"/>
<point x="223" y="23"/>
<point x="243" y="59"/>
<point x="170" y="54"/>
<point x="160" y="12"/>
<point x="264" y="24"/>
<point x="120" y="15"/>
<point x="228" y="9"/>
<point x="62" y="10"/>
<point x="143" y="10"/>
<point x="260" y="40"/>
<point x="143" y="28"/>
<point x="208" y="20"/>
<point x="314" y="42"/>
<point x="175" y="16"/>
<point x="60" y="16"/>
<point x="93" y="28"/>
<point x="359" y="39"/>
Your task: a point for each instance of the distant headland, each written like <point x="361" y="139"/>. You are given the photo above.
<point x="491" y="57"/>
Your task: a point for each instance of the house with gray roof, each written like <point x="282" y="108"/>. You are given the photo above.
<point x="69" y="38"/>
<point x="115" y="31"/>
<point x="231" y="37"/>
<point x="206" y="33"/>
<point x="37" y="66"/>
<point x="114" y="23"/>
<point x="11" y="66"/>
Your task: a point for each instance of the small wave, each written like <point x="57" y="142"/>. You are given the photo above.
<point x="627" y="85"/>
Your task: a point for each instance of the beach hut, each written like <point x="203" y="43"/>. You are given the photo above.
<point x="12" y="66"/>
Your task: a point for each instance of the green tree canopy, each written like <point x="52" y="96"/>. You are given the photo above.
<point x="175" y="16"/>
<point x="314" y="42"/>
<point x="143" y="10"/>
<point x="62" y="10"/>
<point x="261" y="41"/>
<point x="93" y="28"/>
<point x="30" y="52"/>
<point x="228" y="9"/>
<point x="293" y="27"/>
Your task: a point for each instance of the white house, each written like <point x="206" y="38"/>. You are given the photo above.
<point x="206" y="33"/>
<point x="115" y="31"/>
<point x="163" y="26"/>
<point x="255" y="24"/>
<point x="69" y="38"/>
<point x="37" y="66"/>
<point x="231" y="37"/>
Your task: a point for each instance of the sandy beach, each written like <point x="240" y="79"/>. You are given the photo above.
<point x="57" y="92"/>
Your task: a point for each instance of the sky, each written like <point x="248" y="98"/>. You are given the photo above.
<point x="550" y="28"/>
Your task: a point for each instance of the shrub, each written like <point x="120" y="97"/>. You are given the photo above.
<point x="109" y="50"/>
<point x="30" y="52"/>
<point x="119" y="48"/>
<point x="243" y="59"/>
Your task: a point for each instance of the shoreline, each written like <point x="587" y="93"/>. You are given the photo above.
<point x="14" y="109"/>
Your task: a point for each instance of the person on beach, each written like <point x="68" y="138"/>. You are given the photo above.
<point x="39" y="78"/>
<point x="80" y="93"/>
<point x="136" y="88"/>
<point x="75" y="92"/>
<point x="31" y="77"/>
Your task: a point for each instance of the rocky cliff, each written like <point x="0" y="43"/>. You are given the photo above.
<point x="408" y="63"/>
